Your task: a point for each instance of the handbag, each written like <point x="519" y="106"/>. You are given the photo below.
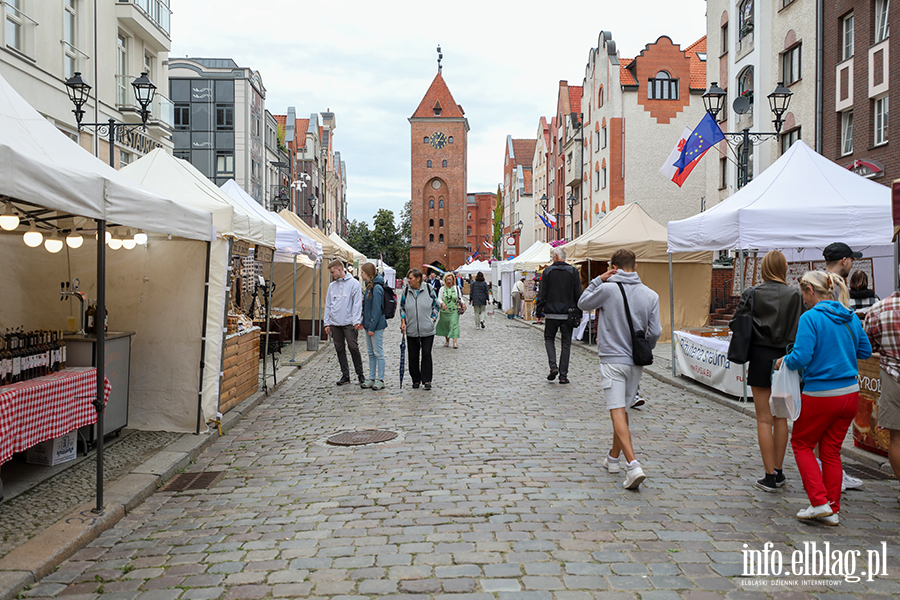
<point x="784" y="401"/>
<point x="742" y="330"/>
<point x="460" y="305"/>
<point x="574" y="318"/>
<point x="641" y="352"/>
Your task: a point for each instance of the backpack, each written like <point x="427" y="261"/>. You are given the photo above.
<point x="389" y="304"/>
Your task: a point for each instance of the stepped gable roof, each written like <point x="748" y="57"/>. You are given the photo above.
<point x="523" y="151"/>
<point x="438" y="93"/>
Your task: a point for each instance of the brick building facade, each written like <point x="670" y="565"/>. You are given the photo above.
<point x="480" y="223"/>
<point x="856" y="87"/>
<point x="439" y="131"/>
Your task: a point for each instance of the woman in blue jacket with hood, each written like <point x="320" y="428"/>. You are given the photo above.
<point x="830" y="339"/>
<point x="374" y="323"/>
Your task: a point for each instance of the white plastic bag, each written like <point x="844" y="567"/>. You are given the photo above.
<point x="784" y="402"/>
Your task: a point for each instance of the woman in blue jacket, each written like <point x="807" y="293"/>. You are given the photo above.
<point x="374" y="323"/>
<point x="830" y="339"/>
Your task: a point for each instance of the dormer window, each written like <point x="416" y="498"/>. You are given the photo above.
<point x="437" y="109"/>
<point x="662" y="87"/>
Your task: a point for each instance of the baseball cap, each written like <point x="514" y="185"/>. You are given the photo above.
<point x="839" y="250"/>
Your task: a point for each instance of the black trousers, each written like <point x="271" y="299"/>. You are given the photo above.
<point x="420" y="372"/>
<point x="551" y="326"/>
<point x="342" y="334"/>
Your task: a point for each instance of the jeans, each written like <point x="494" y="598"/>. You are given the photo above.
<point x="479" y="314"/>
<point x="551" y="326"/>
<point x="347" y="334"/>
<point x="420" y="372"/>
<point x="374" y="345"/>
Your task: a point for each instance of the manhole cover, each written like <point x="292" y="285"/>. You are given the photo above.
<point x="192" y="481"/>
<point x="358" y="438"/>
<point x="863" y="472"/>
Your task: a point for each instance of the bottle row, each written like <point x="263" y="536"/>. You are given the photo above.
<point x="90" y="319"/>
<point x="25" y="355"/>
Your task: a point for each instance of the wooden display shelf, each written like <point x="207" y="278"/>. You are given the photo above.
<point x="241" y="379"/>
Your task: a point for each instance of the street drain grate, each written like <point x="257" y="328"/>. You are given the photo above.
<point x="863" y="472"/>
<point x="193" y="481"/>
<point x="359" y="438"/>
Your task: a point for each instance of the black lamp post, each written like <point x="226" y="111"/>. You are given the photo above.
<point x="572" y="201"/>
<point x="346" y="227"/>
<point x="545" y="204"/>
<point x="518" y="233"/>
<point x="280" y="199"/>
<point x="779" y="100"/>
<point x="328" y="227"/>
<point x="79" y="90"/>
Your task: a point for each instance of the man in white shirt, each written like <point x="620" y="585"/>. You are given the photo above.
<point x="343" y="319"/>
<point x="518" y="292"/>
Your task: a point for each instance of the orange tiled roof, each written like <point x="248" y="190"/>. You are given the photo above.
<point x="575" y="93"/>
<point x="524" y="151"/>
<point x="698" y="67"/>
<point x="529" y="181"/>
<point x="301" y="126"/>
<point x="438" y="92"/>
<point x="625" y="76"/>
<point x="280" y="119"/>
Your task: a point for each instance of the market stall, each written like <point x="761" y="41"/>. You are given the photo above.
<point x="226" y="284"/>
<point x="51" y="187"/>
<point x="357" y="259"/>
<point x="803" y="201"/>
<point x="629" y="226"/>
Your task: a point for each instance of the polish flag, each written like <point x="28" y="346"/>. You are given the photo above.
<point x="551" y="218"/>
<point x="669" y="170"/>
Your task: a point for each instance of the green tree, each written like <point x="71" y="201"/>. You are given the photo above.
<point x="359" y="236"/>
<point x="498" y="233"/>
<point x="401" y="252"/>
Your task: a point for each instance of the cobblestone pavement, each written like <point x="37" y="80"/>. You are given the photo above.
<point x="29" y="513"/>
<point x="494" y="490"/>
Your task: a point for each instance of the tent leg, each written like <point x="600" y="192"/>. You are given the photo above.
<point x="672" y="314"/>
<point x="294" y="319"/>
<point x="224" y="333"/>
<point x="312" y="342"/>
<point x="100" y="356"/>
<point x="203" y="340"/>
<point x="740" y="257"/>
<point x="268" y="323"/>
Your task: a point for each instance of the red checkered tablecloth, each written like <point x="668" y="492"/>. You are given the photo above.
<point x="46" y="407"/>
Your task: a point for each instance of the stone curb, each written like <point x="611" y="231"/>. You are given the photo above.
<point x="39" y="556"/>
<point x="859" y="455"/>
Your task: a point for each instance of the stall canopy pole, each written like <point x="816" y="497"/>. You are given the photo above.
<point x="100" y="357"/>
<point x="294" y="319"/>
<point x="672" y="313"/>
<point x="268" y="321"/>
<point x="203" y="340"/>
<point x="743" y="366"/>
<point x="229" y="267"/>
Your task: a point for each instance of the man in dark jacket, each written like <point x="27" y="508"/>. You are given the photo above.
<point x="560" y="290"/>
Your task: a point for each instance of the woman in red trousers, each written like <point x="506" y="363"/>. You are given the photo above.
<point x="830" y="339"/>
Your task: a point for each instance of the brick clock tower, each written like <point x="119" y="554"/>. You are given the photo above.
<point x="439" y="132"/>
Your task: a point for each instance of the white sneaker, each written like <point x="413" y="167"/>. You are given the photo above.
<point x="850" y="483"/>
<point x="611" y="464"/>
<point x="831" y="519"/>
<point x="634" y="477"/>
<point x="815" y="512"/>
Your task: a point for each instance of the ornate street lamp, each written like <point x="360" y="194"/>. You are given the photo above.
<point x="572" y="201"/>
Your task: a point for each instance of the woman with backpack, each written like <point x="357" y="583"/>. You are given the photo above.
<point x="374" y="323"/>
<point x="451" y="305"/>
<point x="419" y="309"/>
<point x="478" y="297"/>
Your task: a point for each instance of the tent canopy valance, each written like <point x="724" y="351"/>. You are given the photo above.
<point x="288" y="240"/>
<point x="179" y="179"/>
<point x="329" y="249"/>
<point x="803" y="200"/>
<point x="628" y="226"/>
<point x="341" y="243"/>
<point x="43" y="167"/>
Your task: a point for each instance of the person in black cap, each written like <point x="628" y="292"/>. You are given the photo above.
<point x="839" y="258"/>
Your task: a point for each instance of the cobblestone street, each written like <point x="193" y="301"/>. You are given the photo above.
<point x="494" y="490"/>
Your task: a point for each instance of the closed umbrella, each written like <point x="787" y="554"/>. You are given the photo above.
<point x="402" y="358"/>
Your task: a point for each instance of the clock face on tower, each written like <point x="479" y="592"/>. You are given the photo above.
<point x="438" y="140"/>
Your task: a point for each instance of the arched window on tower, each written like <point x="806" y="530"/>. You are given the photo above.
<point x="431" y="237"/>
<point x="444" y="163"/>
<point x="441" y="238"/>
<point x="431" y="222"/>
<point x="441" y="222"/>
<point x="429" y="164"/>
<point x="468" y="231"/>
<point x="441" y="203"/>
<point x="431" y="203"/>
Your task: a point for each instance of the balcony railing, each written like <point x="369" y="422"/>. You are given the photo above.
<point x="157" y="11"/>
<point x="162" y="110"/>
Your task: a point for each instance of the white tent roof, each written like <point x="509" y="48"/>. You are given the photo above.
<point x="179" y="179"/>
<point x="340" y="242"/>
<point x="42" y="166"/>
<point x="802" y="200"/>
<point x="535" y="256"/>
<point x="476" y="266"/>
<point x="507" y="266"/>
<point x="288" y="240"/>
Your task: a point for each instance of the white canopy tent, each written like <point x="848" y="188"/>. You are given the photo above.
<point x="163" y="399"/>
<point x="534" y="257"/>
<point x="342" y="243"/>
<point x="476" y="266"/>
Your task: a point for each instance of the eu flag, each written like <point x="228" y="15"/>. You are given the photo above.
<point x="706" y="135"/>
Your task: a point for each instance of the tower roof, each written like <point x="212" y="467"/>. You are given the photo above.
<point x="438" y="96"/>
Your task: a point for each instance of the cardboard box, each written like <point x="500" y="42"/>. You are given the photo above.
<point x="55" y="451"/>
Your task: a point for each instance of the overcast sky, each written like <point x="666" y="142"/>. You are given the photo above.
<point x="372" y="62"/>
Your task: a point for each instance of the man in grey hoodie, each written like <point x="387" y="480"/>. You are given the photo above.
<point x="619" y="376"/>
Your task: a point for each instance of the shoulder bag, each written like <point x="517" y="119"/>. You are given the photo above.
<point x="641" y="353"/>
<point x="460" y="304"/>
<point x="742" y="330"/>
<point x="575" y="314"/>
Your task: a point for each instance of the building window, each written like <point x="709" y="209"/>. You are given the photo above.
<point x="882" y="27"/>
<point x="597" y="141"/>
<point x="440" y="223"/>
<point x="428" y="164"/>
<point x="121" y="70"/>
<point x="470" y="215"/>
<point x="847" y="26"/>
<point x="742" y="180"/>
<point x="881" y="120"/>
<point x="724" y="48"/>
<point x="70" y="59"/>
<point x="745" y="17"/>
<point x="431" y="205"/>
<point x="224" y="164"/>
<point x="182" y="154"/>
<point x="431" y="222"/>
<point x="745" y="84"/>
<point x="662" y="87"/>
<point x="124" y="158"/>
<point x="148" y="65"/>
<point x="846" y="132"/>
<point x="444" y="163"/>
<point x="468" y="231"/>
<point x="600" y="97"/>
<point x="604" y="136"/>
<point x="603" y="177"/>
<point x="597" y="179"/>
<point x="182" y="116"/>
<point x="224" y="117"/>
<point x="426" y="140"/>
<point x="441" y="238"/>
<point x="431" y="237"/>
<point x="788" y="139"/>
<point x="723" y="173"/>
<point x="441" y="203"/>
<point x="14" y="24"/>
<point x="790" y="61"/>
<point x="450" y="140"/>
